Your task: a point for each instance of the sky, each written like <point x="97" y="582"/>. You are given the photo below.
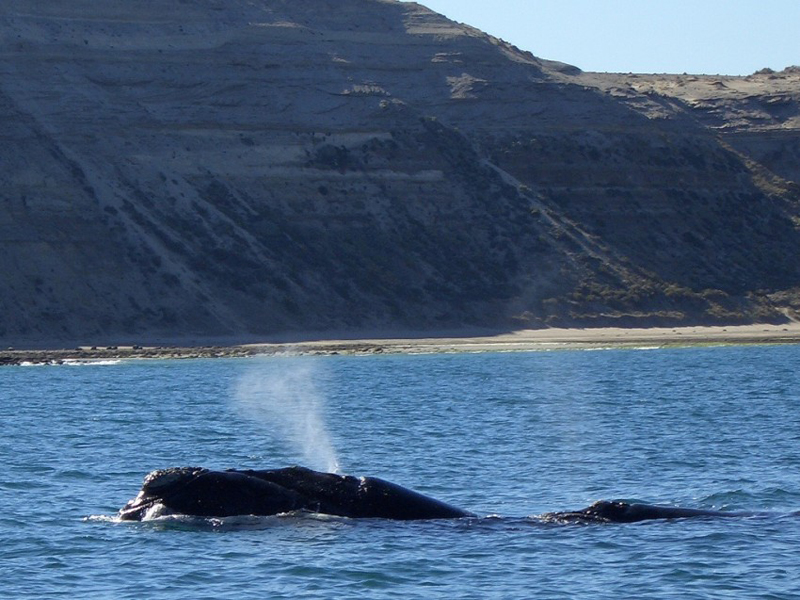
<point x="720" y="37"/>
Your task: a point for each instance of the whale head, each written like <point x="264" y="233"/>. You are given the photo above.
<point x="161" y="481"/>
<point x="157" y="485"/>
<point x="616" y="511"/>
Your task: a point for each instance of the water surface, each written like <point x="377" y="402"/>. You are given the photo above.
<point x="500" y="434"/>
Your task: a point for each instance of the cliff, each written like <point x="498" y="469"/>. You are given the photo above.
<point x="239" y="169"/>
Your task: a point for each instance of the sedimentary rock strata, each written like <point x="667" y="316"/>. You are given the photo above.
<point x="205" y="168"/>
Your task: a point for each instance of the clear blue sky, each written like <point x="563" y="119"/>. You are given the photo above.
<point x="726" y="37"/>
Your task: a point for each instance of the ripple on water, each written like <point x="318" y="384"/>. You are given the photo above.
<point x="513" y="434"/>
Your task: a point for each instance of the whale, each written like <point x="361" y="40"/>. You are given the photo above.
<point x="201" y="492"/>
<point x="620" y="511"/>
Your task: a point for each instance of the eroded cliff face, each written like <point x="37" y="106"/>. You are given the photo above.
<point x="205" y="168"/>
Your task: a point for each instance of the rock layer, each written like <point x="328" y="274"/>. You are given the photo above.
<point x="205" y="168"/>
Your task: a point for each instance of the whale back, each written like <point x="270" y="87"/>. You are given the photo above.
<point x="619" y="511"/>
<point x="201" y="492"/>
<point x="359" y="497"/>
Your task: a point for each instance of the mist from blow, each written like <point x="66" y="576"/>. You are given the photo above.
<point x="282" y="396"/>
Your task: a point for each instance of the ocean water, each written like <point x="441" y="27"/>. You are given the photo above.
<point x="506" y="436"/>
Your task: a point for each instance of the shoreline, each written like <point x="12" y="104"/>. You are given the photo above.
<point x="518" y="341"/>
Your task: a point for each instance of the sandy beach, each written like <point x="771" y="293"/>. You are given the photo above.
<point x="517" y="341"/>
<point x="551" y="339"/>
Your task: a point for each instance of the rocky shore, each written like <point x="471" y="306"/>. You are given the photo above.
<point x="519" y="341"/>
<point x="93" y="354"/>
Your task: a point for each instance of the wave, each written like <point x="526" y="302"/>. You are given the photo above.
<point x="740" y="499"/>
<point x="316" y="522"/>
<point x="157" y="517"/>
<point x="90" y="362"/>
<point x="73" y="362"/>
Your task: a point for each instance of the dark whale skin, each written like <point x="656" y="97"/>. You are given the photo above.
<point x="201" y="492"/>
<point x="617" y="511"/>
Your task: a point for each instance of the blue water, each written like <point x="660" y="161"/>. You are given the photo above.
<point x="500" y="434"/>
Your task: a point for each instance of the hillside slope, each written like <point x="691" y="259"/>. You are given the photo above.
<point x="238" y="168"/>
